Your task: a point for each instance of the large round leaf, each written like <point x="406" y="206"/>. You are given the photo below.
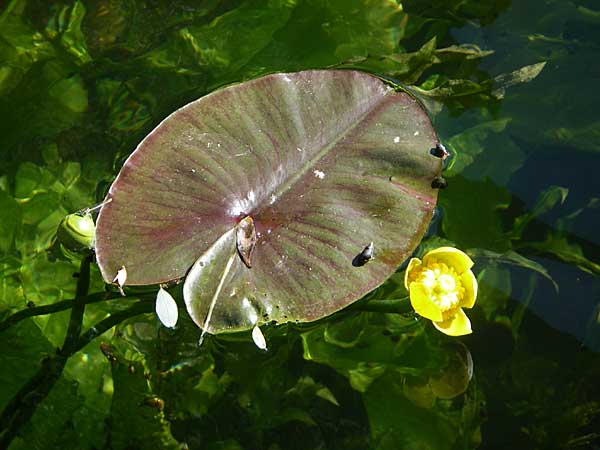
<point x="322" y="163"/>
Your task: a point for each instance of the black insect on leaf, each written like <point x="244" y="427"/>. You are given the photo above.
<point x="364" y="257"/>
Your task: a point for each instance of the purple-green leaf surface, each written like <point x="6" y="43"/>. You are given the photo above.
<point x="323" y="162"/>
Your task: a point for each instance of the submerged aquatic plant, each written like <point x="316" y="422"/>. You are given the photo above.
<point x="441" y="285"/>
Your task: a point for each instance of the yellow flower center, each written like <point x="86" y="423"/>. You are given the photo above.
<point x="443" y="285"/>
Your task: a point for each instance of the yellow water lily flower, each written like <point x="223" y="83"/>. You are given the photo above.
<point x="440" y="286"/>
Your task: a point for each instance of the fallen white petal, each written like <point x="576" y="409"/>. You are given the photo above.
<point x="259" y="338"/>
<point x="166" y="309"/>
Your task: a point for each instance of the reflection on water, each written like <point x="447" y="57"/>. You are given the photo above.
<point x="447" y="382"/>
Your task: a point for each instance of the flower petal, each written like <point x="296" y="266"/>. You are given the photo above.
<point x="457" y="325"/>
<point x="469" y="282"/>
<point x="166" y="309"/>
<point x="450" y="256"/>
<point x="422" y="304"/>
<point x="410" y="271"/>
<point x="259" y="338"/>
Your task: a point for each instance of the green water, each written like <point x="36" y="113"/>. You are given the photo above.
<point x="81" y="83"/>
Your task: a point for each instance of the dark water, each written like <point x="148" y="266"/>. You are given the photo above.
<point x="81" y="83"/>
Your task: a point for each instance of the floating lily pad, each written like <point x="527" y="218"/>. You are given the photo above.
<point x="321" y="162"/>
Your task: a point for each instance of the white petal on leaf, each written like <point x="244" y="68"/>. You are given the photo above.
<point x="121" y="278"/>
<point x="259" y="338"/>
<point x="166" y="309"/>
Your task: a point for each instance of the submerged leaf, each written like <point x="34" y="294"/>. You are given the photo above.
<point x="315" y="164"/>
<point x="546" y="201"/>
<point x="138" y="420"/>
<point x="11" y="221"/>
<point x="522" y="75"/>
<point x="515" y="259"/>
<point x="570" y="252"/>
<point x="466" y="51"/>
<point x="468" y="144"/>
